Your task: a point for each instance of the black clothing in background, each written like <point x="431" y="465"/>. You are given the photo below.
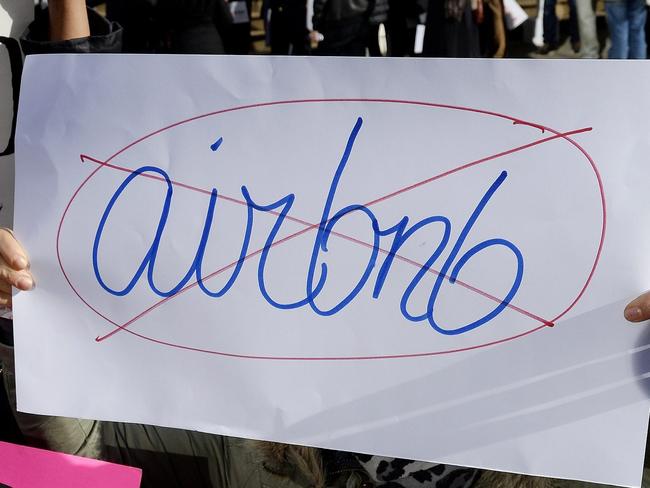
<point x="137" y="17"/>
<point x="378" y="16"/>
<point x="288" y="27"/>
<point x="344" y="38"/>
<point x="237" y="37"/>
<point x="171" y="26"/>
<point x="333" y="11"/>
<point x="447" y="37"/>
<point x="403" y="18"/>
<point x="9" y="431"/>
<point x="344" y="26"/>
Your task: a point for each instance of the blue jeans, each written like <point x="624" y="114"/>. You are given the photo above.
<point x="626" y="21"/>
<point x="550" y="23"/>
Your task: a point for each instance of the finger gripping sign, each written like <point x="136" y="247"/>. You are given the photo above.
<point x="306" y="257"/>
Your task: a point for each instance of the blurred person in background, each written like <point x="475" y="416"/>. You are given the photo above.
<point x="138" y="20"/>
<point x="378" y="16"/>
<point x="236" y="32"/>
<point x="626" y="21"/>
<point x="451" y="30"/>
<point x="172" y="26"/>
<point x="341" y="27"/>
<point x="551" y="28"/>
<point x="403" y="19"/>
<point x="492" y="29"/>
<point x="190" y="26"/>
<point x="589" y="46"/>
<point x="287" y="26"/>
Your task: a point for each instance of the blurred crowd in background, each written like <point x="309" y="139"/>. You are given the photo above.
<point x="432" y="28"/>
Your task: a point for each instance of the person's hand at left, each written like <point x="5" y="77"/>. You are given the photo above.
<point x="14" y="268"/>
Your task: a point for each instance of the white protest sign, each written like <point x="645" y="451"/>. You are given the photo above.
<point x="372" y="255"/>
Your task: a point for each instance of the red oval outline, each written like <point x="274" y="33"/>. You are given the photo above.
<point x="514" y="120"/>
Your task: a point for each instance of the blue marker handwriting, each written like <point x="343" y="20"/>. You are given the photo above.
<point x="317" y="275"/>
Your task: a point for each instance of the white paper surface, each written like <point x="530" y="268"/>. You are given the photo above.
<point x="410" y="138"/>
<point x="513" y="13"/>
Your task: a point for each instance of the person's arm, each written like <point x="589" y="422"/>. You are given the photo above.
<point x="67" y="26"/>
<point x="68" y="20"/>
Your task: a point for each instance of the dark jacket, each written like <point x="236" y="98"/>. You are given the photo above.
<point x="447" y="37"/>
<point x="379" y="12"/>
<point x="333" y="11"/>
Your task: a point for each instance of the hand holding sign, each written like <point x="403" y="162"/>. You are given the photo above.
<point x="638" y="310"/>
<point x="14" y="268"/>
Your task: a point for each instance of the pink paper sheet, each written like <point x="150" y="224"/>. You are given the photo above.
<point x="26" y="467"/>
